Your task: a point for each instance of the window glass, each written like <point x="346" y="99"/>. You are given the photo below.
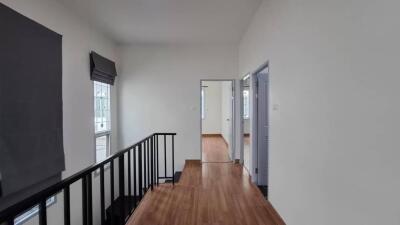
<point x="102" y="107"/>
<point x="102" y="148"/>
<point x="102" y="119"/>
<point x="246" y="104"/>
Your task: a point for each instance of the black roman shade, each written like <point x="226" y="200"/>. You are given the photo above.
<point x="102" y="69"/>
<point x="31" y="116"/>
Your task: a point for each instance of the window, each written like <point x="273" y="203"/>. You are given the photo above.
<point x="102" y="119"/>
<point x="203" y="105"/>
<point x="246" y="104"/>
<point x="24" y="217"/>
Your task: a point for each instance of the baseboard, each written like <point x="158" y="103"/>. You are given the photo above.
<point x="211" y="135"/>
<point x="192" y="161"/>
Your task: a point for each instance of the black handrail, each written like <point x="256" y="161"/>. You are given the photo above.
<point x="146" y="164"/>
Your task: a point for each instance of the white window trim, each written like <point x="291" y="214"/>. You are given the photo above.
<point x="32" y="212"/>
<point x="102" y="133"/>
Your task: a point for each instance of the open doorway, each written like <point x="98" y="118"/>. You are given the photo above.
<point x="262" y="127"/>
<point x="245" y="120"/>
<point x="217" y="121"/>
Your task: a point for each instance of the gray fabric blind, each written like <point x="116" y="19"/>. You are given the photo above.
<point x="102" y="69"/>
<point x="31" y="122"/>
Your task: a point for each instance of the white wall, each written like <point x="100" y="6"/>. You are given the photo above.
<point x="211" y="124"/>
<point x="334" y="155"/>
<point x="78" y="113"/>
<point x="168" y="78"/>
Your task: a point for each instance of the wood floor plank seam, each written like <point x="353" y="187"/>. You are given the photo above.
<point x="203" y="198"/>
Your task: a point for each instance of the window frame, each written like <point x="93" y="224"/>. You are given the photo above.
<point x="107" y="133"/>
<point x="246" y="116"/>
<point x="203" y="103"/>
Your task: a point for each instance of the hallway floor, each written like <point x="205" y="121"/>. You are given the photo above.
<point x="207" y="194"/>
<point x="215" y="150"/>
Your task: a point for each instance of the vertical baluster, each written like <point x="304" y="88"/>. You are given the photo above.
<point x="122" y="187"/>
<point x="67" y="211"/>
<point x="152" y="160"/>
<point x="148" y="164"/>
<point x="84" y="201"/>
<point x="112" y="190"/>
<point x="102" y="202"/>
<point x="89" y="199"/>
<point x="165" y="156"/>
<point x="144" y="165"/>
<point x="140" y="171"/>
<point x="42" y="213"/>
<point x="173" y="162"/>
<point x="129" y="174"/>
<point x="158" y="163"/>
<point x="134" y="174"/>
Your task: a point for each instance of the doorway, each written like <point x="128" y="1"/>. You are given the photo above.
<point x="245" y="121"/>
<point x="262" y="128"/>
<point x="217" y="104"/>
<point x="254" y="89"/>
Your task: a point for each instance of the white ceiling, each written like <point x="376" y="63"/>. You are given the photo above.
<point x="168" y="21"/>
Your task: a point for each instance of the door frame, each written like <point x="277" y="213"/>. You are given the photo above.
<point x="255" y="112"/>
<point x="253" y="122"/>
<point x="233" y="120"/>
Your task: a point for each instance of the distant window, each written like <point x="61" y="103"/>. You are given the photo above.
<point x="24" y="217"/>
<point x="203" y="111"/>
<point x="246" y="104"/>
<point x="102" y="120"/>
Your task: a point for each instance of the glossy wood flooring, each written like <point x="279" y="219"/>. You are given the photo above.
<point x="215" y="150"/>
<point x="207" y="194"/>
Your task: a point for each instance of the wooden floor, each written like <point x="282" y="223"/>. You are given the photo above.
<point x="207" y="194"/>
<point x="215" y="149"/>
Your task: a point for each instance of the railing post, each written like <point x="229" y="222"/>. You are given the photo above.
<point x="140" y="171"/>
<point x="173" y="162"/>
<point x="144" y="165"/>
<point x="151" y="160"/>
<point x="148" y="163"/>
<point x="122" y="186"/>
<point x="112" y="190"/>
<point x="67" y="211"/>
<point x="129" y="174"/>
<point x="157" y="161"/>
<point x="134" y="174"/>
<point x="84" y="201"/>
<point x="102" y="202"/>
<point x="165" y="157"/>
<point x="89" y="199"/>
<point x="42" y="213"/>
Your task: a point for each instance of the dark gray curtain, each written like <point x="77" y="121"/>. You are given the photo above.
<point x="31" y="131"/>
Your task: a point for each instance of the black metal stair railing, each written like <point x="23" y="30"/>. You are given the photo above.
<point x="138" y="165"/>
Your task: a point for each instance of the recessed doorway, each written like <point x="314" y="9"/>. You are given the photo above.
<point x="254" y="89"/>
<point x="217" y="104"/>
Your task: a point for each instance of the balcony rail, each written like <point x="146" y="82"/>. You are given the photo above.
<point x="138" y="172"/>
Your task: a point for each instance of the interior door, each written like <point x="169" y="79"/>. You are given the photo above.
<point x="262" y="127"/>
